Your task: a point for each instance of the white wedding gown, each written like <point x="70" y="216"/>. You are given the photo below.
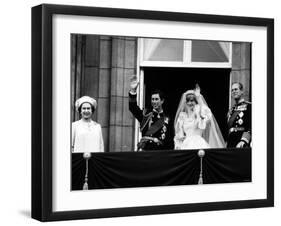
<point x="189" y="131"/>
<point x="194" y="130"/>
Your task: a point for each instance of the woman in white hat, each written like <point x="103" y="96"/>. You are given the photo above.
<point x="86" y="133"/>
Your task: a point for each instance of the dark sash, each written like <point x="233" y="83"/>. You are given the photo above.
<point x="155" y="127"/>
<point x="146" y="119"/>
<point x="232" y="118"/>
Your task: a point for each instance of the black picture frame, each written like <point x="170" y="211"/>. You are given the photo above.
<point x="42" y="107"/>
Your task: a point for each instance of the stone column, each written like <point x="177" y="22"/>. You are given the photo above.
<point x="241" y="67"/>
<point x="77" y="70"/>
<point x="123" y="66"/>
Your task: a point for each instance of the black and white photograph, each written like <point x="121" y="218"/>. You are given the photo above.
<point x="159" y="112"/>
<point x="140" y="112"/>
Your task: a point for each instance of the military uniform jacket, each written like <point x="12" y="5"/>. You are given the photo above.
<point x="239" y="124"/>
<point x="152" y="124"/>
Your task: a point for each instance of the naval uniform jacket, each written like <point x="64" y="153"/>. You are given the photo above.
<point x="152" y="125"/>
<point x="239" y="124"/>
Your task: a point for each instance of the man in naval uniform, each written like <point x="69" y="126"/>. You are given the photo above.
<point x="154" y="123"/>
<point x="239" y="119"/>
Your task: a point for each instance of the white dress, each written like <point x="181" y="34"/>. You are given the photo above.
<point x="87" y="137"/>
<point x="189" y="131"/>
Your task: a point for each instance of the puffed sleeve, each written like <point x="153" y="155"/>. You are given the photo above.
<point x="179" y="132"/>
<point x="205" y="116"/>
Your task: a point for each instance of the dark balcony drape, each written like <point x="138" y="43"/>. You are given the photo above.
<point x="160" y="168"/>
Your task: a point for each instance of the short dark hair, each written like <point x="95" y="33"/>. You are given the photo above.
<point x="79" y="109"/>
<point x="157" y="91"/>
<point x="240" y="85"/>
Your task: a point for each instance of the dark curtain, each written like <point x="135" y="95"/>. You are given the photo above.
<point x="160" y="168"/>
<point x="227" y="166"/>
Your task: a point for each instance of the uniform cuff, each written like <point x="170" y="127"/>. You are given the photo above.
<point x="133" y="92"/>
<point x="245" y="140"/>
<point x="246" y="137"/>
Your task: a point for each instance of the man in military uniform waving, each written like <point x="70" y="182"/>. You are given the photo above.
<point x="153" y="123"/>
<point x="239" y="119"/>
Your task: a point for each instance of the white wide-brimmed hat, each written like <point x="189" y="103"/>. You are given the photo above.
<point x="85" y="99"/>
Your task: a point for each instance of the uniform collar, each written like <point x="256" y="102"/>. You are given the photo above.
<point x="242" y="100"/>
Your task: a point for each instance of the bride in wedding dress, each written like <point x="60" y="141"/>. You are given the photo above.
<point x="195" y="125"/>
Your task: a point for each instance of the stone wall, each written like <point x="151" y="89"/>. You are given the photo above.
<point x="241" y="67"/>
<point x="101" y="68"/>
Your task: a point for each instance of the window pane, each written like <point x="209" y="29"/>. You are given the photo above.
<point x="163" y="50"/>
<point x="210" y="51"/>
